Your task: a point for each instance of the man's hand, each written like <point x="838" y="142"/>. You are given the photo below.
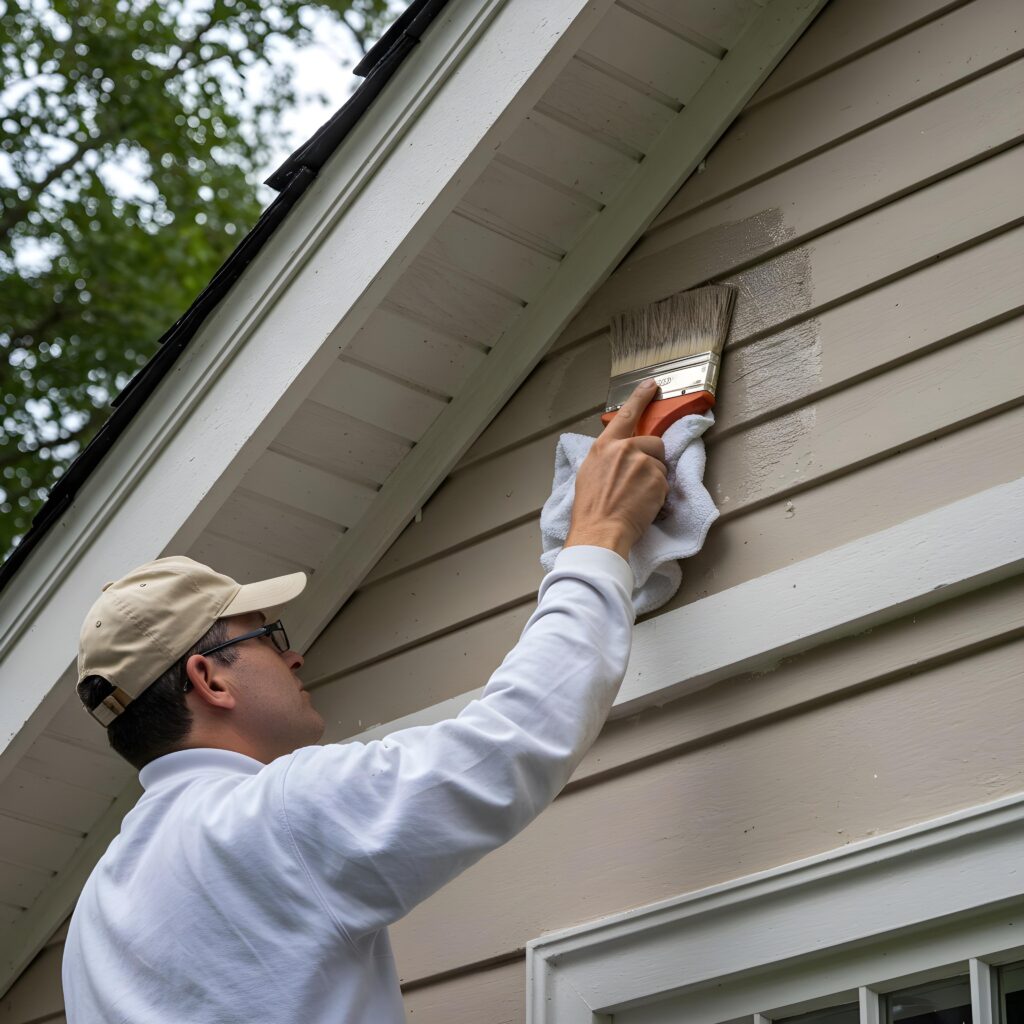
<point x="622" y="483"/>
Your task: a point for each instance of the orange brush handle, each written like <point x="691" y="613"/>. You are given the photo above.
<point x="662" y="413"/>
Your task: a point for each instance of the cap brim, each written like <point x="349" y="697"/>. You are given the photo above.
<point x="258" y="597"/>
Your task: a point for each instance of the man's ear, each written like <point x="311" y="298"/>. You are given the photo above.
<point x="208" y="682"/>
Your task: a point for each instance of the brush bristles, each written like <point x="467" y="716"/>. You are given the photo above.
<point x="682" y="325"/>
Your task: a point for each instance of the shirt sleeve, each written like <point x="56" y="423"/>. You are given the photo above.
<point x="380" y="826"/>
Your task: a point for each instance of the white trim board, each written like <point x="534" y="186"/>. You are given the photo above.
<point x="962" y="864"/>
<point x="750" y="627"/>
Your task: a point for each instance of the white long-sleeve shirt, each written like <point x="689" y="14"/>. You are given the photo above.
<point x="244" y="892"/>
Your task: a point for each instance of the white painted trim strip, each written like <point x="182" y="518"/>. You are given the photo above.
<point x="870" y="1006"/>
<point x="855" y="894"/>
<point x="931" y="558"/>
<point x="984" y="992"/>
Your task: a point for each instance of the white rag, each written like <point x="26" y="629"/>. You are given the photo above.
<point x="679" y="529"/>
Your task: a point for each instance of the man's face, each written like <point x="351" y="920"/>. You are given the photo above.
<point x="272" y="709"/>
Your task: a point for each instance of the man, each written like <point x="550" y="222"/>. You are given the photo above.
<point x="257" y="875"/>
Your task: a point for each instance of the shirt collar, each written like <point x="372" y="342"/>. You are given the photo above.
<point x="184" y="762"/>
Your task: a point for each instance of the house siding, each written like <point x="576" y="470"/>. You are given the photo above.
<point x="866" y="205"/>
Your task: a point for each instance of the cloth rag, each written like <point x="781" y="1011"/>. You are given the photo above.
<point x="678" y="531"/>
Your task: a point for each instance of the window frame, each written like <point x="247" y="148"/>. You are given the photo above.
<point x="938" y="898"/>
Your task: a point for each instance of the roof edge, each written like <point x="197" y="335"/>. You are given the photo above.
<point x="291" y="180"/>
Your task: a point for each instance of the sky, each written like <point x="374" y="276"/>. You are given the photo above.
<point x="324" y="68"/>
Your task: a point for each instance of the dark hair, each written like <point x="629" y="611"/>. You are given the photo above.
<point x="159" y="718"/>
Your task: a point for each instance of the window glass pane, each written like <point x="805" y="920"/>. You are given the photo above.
<point x="1011" y="986"/>
<point x="848" y="1013"/>
<point x="939" y="1002"/>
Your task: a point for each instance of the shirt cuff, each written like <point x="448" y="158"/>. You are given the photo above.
<point x="589" y="559"/>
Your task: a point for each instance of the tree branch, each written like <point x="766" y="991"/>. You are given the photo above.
<point x="15" y="213"/>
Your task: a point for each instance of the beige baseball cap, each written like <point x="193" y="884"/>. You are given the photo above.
<point x="144" y="622"/>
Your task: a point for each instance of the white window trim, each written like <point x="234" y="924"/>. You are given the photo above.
<point x="947" y="893"/>
<point x="906" y="568"/>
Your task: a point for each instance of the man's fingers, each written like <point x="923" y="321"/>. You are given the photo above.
<point x="653" y="446"/>
<point x="626" y="419"/>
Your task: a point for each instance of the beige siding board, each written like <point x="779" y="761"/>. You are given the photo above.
<point x="891" y="323"/>
<point x="903" y="320"/>
<point x="807" y="361"/>
<point x="452" y="664"/>
<point x="37" y="995"/>
<point x="440" y="596"/>
<point x="42" y="847"/>
<point x="576" y="161"/>
<point x="504" y="263"/>
<point x="895" y="157"/>
<point x="340" y="444"/>
<point x="649" y="55"/>
<point x="488" y="497"/>
<point x="503" y="569"/>
<point x="273" y="525"/>
<point x="945" y="216"/>
<point x="857" y="662"/>
<point x="867" y="421"/>
<point x="606" y="106"/>
<point x="381" y="401"/>
<point x="415" y="351"/>
<point x="308" y="489"/>
<point x="842" y="30"/>
<point x="517" y="203"/>
<point x="852" y="97"/>
<point x="886" y="758"/>
<point x="565" y="387"/>
<point x="739" y="547"/>
<point x="437" y="294"/>
<point x="874" y="658"/>
<point x="742" y="547"/>
<point x="494" y="996"/>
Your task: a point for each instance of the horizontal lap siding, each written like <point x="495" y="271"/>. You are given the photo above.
<point x="867" y="206"/>
<point x="738" y="801"/>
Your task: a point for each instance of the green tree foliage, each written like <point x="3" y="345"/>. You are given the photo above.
<point x="131" y="132"/>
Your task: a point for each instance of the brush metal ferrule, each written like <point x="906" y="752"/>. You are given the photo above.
<point x="675" y="377"/>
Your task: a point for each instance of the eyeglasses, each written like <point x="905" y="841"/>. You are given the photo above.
<point x="275" y="630"/>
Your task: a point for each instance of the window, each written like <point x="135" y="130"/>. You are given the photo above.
<point x="922" y="926"/>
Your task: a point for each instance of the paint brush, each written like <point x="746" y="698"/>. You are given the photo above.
<point x="678" y="342"/>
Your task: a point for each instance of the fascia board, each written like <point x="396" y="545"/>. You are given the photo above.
<point x="483" y="64"/>
<point x="955" y="865"/>
<point x="750" y="627"/>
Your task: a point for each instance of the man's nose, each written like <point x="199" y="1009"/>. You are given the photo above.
<point x="293" y="659"/>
